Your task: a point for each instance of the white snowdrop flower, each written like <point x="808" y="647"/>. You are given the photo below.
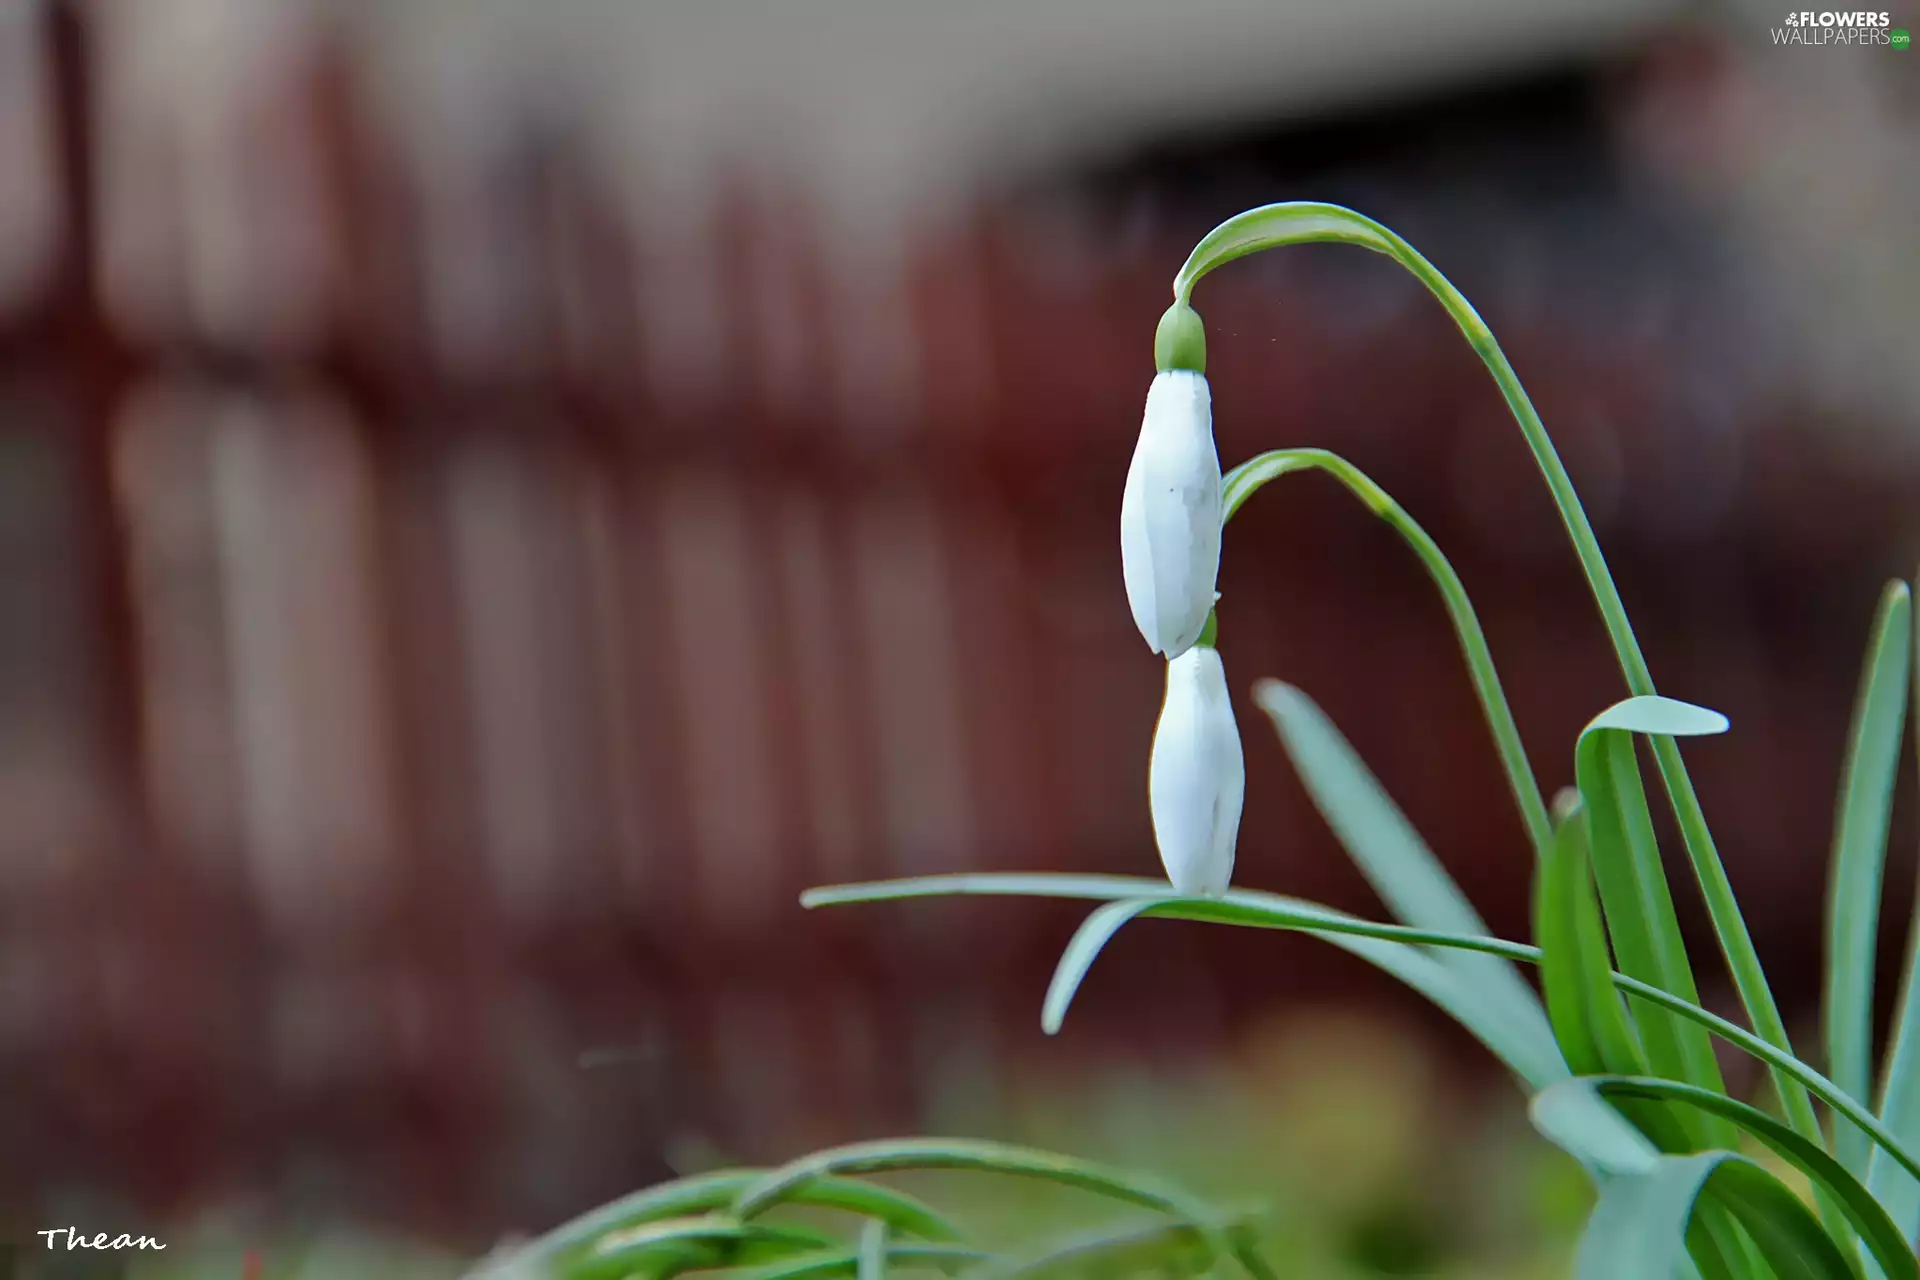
<point x="1170" y="514"/>
<point x="1197" y="778"/>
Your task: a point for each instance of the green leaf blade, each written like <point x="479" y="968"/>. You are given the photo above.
<point x="871" y="1261"/>
<point x="1864" y="1213"/>
<point x="1652" y="1209"/>
<point x="1638" y="905"/>
<point x="787" y="1183"/>
<point x="699" y="1243"/>
<point x="1088" y="941"/>
<point x="1859" y="856"/>
<point x="1556" y="907"/>
<point x="950" y="1258"/>
<point x="1395" y="860"/>
<point x="708" y="1192"/>
<point x="1254" y="909"/>
<point x="1897" y="1188"/>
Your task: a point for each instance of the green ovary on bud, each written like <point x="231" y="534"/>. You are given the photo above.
<point x="1180" y="341"/>
<point x="1210" y="634"/>
<point x="1197" y="776"/>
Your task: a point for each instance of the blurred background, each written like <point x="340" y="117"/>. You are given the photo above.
<point x="496" y="498"/>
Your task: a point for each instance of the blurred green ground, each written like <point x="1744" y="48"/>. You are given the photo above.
<point x="1373" y="1159"/>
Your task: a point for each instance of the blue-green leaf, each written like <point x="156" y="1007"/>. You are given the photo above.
<point x="1884" y="1240"/>
<point x="1639" y="1227"/>
<point x="1411" y="964"/>
<point x="1084" y="948"/>
<point x="698" y="1243"/>
<point x="707" y="1192"/>
<point x="1396" y="861"/>
<point x="789" y="1181"/>
<point x="1860" y="855"/>
<point x="846" y="1262"/>
<point x="1253" y="909"/>
<point x="1149" y="1249"/>
<point x="872" y="1264"/>
<point x="1897" y="1188"/>
<point x="1633" y="886"/>
<point x="1576" y="971"/>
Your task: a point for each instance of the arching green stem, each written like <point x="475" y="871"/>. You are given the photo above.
<point x="1271" y="226"/>
<point x="1240" y="484"/>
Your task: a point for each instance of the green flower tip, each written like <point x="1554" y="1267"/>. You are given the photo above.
<point x="1181" y="340"/>
<point x="1210" y="633"/>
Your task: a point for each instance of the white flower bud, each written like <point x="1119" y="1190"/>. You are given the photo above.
<point x="1170" y="514"/>
<point x="1197" y="779"/>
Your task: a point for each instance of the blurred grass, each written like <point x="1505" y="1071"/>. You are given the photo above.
<point x="1374" y="1160"/>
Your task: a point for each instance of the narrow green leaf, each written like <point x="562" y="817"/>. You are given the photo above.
<point x="710" y="1191"/>
<point x="1633" y="885"/>
<point x="1555" y="931"/>
<point x="1150" y="1249"/>
<point x="1651" y="714"/>
<point x="1093" y="934"/>
<point x="1245" y="1241"/>
<point x="778" y="1186"/>
<point x="1865" y="1214"/>
<point x="1572" y="1116"/>
<point x="1412" y="965"/>
<point x="1898" y="1189"/>
<point x="677" y="1244"/>
<point x="1789" y="1237"/>
<point x="1253" y="909"/>
<point x="1640" y="1227"/>
<point x="991" y="884"/>
<point x="1576" y="972"/>
<point x="1860" y="855"/>
<point x="1575" y="967"/>
<point x="827" y="1266"/>
<point x="873" y="1251"/>
<point x="1393" y="857"/>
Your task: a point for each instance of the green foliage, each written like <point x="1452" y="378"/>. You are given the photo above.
<point x="1860" y="853"/>
<point x="1633" y="887"/>
<point x="716" y="1222"/>
<point x="1629" y="1087"/>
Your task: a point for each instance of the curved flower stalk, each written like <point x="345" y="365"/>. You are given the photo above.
<point x="1246" y="479"/>
<point x="1309" y="222"/>
<point x="1197" y="778"/>
<point x="1170" y="514"/>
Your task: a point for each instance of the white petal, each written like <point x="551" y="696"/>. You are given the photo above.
<point x="1170" y="514"/>
<point x="1196" y="779"/>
